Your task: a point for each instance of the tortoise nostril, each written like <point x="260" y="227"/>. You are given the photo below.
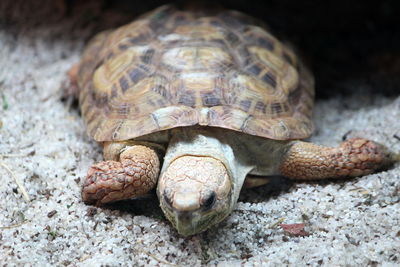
<point x="209" y="201"/>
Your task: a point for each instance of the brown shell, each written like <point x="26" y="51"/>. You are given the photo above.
<point x="173" y="68"/>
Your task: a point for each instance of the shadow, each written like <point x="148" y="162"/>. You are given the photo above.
<point x="347" y="44"/>
<point x="276" y="186"/>
<point x="147" y="206"/>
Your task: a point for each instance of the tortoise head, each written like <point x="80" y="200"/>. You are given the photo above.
<point x="195" y="192"/>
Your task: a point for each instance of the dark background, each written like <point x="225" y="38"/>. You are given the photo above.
<point x="352" y="46"/>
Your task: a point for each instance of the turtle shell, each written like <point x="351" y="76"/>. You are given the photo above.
<point x="174" y="68"/>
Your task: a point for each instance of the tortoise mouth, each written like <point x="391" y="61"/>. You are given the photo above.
<point x="189" y="223"/>
<point x="192" y="223"/>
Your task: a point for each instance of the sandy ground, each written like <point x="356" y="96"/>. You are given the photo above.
<point x="45" y="147"/>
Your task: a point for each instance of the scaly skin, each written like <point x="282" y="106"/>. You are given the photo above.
<point x="194" y="193"/>
<point x="255" y="85"/>
<point x="204" y="171"/>
<point x="135" y="175"/>
<point x="355" y="157"/>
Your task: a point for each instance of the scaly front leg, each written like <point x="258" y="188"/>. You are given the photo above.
<point x="134" y="175"/>
<point x="354" y="157"/>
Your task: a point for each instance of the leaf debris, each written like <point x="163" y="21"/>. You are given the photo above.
<point x="295" y="229"/>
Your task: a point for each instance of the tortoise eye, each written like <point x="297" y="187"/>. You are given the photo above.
<point x="209" y="201"/>
<point x="167" y="199"/>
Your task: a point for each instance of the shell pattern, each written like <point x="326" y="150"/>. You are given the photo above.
<point x="173" y="68"/>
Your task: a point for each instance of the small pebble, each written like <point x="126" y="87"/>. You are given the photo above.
<point x="51" y="213"/>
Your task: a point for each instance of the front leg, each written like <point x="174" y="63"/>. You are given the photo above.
<point x="354" y="157"/>
<point x="133" y="175"/>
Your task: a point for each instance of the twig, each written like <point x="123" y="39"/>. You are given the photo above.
<point x="17" y="181"/>
<point x="14" y="155"/>
<point x="13" y="225"/>
<point x="276" y="223"/>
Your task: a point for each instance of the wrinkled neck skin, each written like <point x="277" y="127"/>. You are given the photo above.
<point x="240" y="153"/>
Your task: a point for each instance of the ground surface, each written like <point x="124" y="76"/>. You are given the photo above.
<point x="44" y="145"/>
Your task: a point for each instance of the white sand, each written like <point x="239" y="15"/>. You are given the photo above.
<point x="353" y="223"/>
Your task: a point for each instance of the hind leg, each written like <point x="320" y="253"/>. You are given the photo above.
<point x="133" y="175"/>
<point x="71" y="85"/>
<point x="255" y="181"/>
<point x="355" y="157"/>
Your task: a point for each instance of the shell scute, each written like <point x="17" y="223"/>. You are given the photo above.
<point x="173" y="68"/>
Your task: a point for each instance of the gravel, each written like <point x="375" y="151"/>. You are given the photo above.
<point x="43" y="144"/>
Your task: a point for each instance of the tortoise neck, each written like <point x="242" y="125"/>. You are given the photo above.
<point x="197" y="142"/>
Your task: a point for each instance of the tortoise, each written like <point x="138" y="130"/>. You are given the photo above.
<point x="197" y="104"/>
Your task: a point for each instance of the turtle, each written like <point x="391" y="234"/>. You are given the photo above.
<point x="198" y="104"/>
